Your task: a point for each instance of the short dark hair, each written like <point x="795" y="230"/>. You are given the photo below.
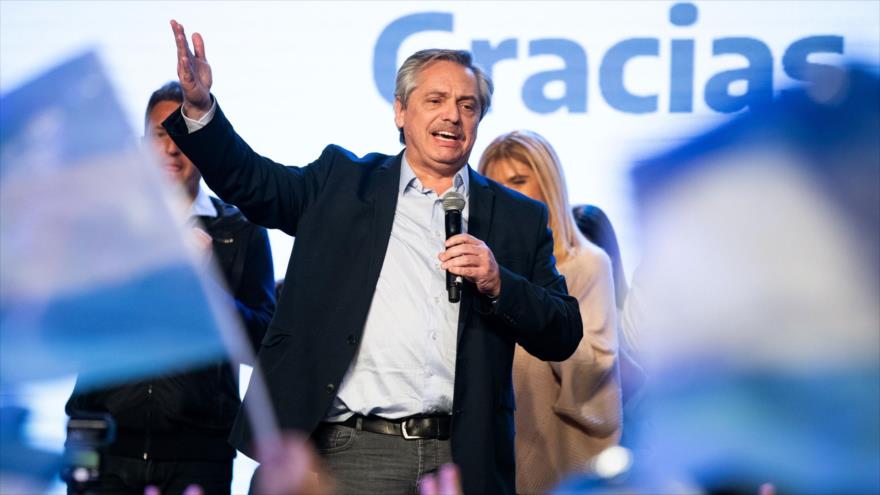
<point x="169" y="91"/>
<point x="596" y="226"/>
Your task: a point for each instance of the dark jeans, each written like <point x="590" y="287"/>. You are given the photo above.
<point x="124" y="475"/>
<point x="370" y="463"/>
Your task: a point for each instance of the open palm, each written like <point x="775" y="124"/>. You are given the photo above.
<point x="193" y="71"/>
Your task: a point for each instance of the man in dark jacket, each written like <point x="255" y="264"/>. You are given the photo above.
<point x="172" y="430"/>
<point x="367" y="353"/>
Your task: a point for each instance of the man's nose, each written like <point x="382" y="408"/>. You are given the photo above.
<point x="452" y="112"/>
<point x="170" y="147"/>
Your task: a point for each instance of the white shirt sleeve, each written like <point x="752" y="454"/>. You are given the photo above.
<point x="193" y="125"/>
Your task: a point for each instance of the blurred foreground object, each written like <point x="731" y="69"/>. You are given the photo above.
<point x="445" y="481"/>
<point x="95" y="275"/>
<point x="761" y="282"/>
<point x="172" y="429"/>
<point x="87" y="436"/>
<point x="762" y="295"/>
<point x="23" y="469"/>
<point x="292" y="467"/>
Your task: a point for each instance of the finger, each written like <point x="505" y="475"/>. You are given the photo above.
<point x="184" y="71"/>
<point x="428" y="485"/>
<point x="177" y="29"/>
<point x="183" y="52"/>
<point x="460" y="250"/>
<point x="199" y="46"/>
<point x="194" y="490"/>
<point x="462" y="239"/>
<point x="767" y="489"/>
<point x="179" y="39"/>
<point x="461" y="261"/>
<point x="450" y="482"/>
<point x="468" y="272"/>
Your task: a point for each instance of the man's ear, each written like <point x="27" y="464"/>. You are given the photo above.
<point x="399" y="113"/>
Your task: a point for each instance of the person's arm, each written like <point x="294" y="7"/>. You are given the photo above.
<point x="269" y="194"/>
<point x="590" y="394"/>
<point x="536" y="310"/>
<point x="255" y="295"/>
<point x="539" y="311"/>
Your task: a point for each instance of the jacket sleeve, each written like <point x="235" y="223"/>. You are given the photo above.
<point x="537" y="310"/>
<point x="589" y="384"/>
<point x="255" y="294"/>
<point x="269" y="194"/>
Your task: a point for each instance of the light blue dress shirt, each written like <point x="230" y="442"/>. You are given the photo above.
<point x="406" y="361"/>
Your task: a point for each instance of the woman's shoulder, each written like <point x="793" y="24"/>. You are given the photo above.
<point x="586" y="258"/>
<point x="586" y="269"/>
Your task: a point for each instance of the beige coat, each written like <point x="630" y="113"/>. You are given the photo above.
<point x="567" y="412"/>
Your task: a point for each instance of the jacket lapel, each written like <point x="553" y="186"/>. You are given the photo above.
<point x="380" y="189"/>
<point x="481" y="201"/>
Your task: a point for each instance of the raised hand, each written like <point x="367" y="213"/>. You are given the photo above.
<point x="471" y="258"/>
<point x="194" y="73"/>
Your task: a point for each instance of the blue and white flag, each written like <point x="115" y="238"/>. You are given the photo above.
<point x="95" y="275"/>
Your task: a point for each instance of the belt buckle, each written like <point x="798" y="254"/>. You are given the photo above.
<point x="406" y="434"/>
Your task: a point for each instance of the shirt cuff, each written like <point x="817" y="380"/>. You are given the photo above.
<point x="193" y="125"/>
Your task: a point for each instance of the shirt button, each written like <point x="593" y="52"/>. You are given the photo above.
<point x="434" y="335"/>
<point x="330" y="388"/>
<point x="437" y="300"/>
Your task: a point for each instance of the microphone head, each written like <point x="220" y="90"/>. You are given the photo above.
<point x="453" y="200"/>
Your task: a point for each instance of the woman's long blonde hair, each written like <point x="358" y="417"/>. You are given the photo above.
<point x="532" y="150"/>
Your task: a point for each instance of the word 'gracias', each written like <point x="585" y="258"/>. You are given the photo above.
<point x="757" y="74"/>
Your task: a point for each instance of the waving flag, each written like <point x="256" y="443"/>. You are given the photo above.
<point x="95" y="275"/>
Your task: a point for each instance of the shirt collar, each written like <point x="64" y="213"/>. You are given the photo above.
<point x="460" y="183"/>
<point x="202" y="206"/>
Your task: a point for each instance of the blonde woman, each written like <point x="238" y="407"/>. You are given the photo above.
<point x="568" y="411"/>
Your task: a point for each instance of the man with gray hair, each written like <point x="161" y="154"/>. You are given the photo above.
<point x="366" y="352"/>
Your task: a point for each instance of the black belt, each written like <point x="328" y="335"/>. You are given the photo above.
<point x="412" y="428"/>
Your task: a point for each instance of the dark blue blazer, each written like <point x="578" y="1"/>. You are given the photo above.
<point x="341" y="208"/>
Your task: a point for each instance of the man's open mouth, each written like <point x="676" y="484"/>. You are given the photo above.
<point x="449" y="136"/>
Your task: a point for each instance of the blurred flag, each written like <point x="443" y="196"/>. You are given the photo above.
<point x="762" y="304"/>
<point x="95" y="274"/>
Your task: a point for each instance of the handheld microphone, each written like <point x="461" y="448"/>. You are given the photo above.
<point x="453" y="204"/>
